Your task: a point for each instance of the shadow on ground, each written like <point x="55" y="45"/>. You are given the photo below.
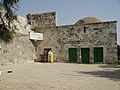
<point x="110" y="66"/>
<point x="112" y="75"/>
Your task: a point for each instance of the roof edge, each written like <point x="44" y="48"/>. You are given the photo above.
<point x="88" y="24"/>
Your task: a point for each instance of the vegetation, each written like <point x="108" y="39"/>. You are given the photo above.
<point x="7" y="16"/>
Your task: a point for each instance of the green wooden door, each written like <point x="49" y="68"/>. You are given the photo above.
<point x="85" y="55"/>
<point x="73" y="55"/>
<point x="98" y="54"/>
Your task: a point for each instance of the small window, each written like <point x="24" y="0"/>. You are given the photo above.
<point x="29" y="23"/>
<point x="84" y="29"/>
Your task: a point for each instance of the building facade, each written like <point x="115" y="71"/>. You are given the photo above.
<point x="89" y="40"/>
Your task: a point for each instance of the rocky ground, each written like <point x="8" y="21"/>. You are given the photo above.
<point x="60" y="76"/>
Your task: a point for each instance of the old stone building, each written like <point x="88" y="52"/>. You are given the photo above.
<point x="89" y="40"/>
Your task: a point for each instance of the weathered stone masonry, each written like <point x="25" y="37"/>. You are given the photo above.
<point x="83" y="34"/>
<point x="20" y="50"/>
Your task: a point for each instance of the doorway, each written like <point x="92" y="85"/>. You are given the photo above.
<point x="85" y="55"/>
<point x="72" y="55"/>
<point x="46" y="50"/>
<point x="98" y="54"/>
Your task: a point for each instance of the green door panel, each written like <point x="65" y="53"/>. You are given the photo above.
<point x="73" y="55"/>
<point x="98" y="54"/>
<point x="85" y="55"/>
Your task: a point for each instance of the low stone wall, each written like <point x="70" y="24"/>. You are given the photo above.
<point x="20" y="50"/>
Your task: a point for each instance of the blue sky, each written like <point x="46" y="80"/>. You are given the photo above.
<point x="70" y="11"/>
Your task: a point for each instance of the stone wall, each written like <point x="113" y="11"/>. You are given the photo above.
<point x="44" y="20"/>
<point x="20" y="50"/>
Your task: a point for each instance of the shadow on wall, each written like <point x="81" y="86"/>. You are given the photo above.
<point x="106" y="73"/>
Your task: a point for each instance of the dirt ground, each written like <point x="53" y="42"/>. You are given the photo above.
<point x="60" y="76"/>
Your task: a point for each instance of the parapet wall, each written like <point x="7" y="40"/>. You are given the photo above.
<point x="44" y="20"/>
